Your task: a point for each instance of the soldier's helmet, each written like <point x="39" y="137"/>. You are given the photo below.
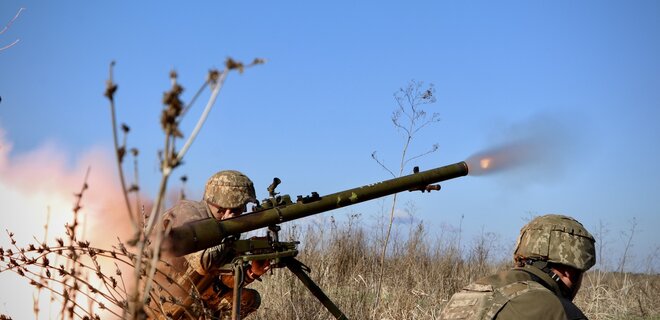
<point x="558" y="239"/>
<point x="229" y="189"/>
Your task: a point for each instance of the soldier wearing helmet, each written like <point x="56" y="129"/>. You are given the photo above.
<point x="226" y="195"/>
<point x="551" y="256"/>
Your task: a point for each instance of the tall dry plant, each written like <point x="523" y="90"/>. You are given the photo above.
<point x="170" y="158"/>
<point x="409" y="118"/>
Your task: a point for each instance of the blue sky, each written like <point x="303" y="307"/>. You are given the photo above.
<point x="577" y="78"/>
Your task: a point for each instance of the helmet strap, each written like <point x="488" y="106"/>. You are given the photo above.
<point x="545" y="267"/>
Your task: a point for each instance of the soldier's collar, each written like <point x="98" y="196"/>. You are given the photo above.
<point x="543" y="273"/>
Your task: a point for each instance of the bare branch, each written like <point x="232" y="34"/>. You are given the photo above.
<point x="111" y="88"/>
<point x="434" y="118"/>
<point x="12" y="20"/>
<point x="194" y="98"/>
<point x="6" y="27"/>
<point x="10" y="45"/>
<point x="216" y="86"/>
<point x="434" y="148"/>
<point x="373" y="156"/>
<point x="395" y="120"/>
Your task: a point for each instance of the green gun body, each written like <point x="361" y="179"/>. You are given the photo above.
<point x="202" y="234"/>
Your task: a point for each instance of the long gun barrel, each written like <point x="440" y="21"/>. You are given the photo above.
<point x="202" y="234"/>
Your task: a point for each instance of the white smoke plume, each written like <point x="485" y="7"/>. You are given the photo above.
<point x="38" y="187"/>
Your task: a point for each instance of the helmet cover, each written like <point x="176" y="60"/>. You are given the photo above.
<point x="557" y="239"/>
<point x="229" y="189"/>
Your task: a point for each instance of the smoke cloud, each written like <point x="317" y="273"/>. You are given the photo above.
<point x="37" y="188"/>
<point x="539" y="148"/>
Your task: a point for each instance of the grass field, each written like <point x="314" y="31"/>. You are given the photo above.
<point x="421" y="274"/>
<point x="423" y="270"/>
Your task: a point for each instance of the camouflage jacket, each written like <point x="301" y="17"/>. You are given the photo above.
<point x="201" y="269"/>
<point x="204" y="261"/>
<point x="519" y="293"/>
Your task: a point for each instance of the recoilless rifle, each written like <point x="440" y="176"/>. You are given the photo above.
<point x="202" y="234"/>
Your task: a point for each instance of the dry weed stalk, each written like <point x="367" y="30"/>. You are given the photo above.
<point x="410" y="118"/>
<point x="107" y="291"/>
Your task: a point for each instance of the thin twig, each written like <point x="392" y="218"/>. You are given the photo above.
<point x="12" y="20"/>
<point x="433" y="149"/>
<point x="214" y="95"/>
<point x="373" y="156"/>
<point x="109" y="93"/>
<point x="6" y="27"/>
<point x="10" y="45"/>
<point x="194" y="98"/>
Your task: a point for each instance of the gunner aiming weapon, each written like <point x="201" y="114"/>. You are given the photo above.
<point x="206" y="233"/>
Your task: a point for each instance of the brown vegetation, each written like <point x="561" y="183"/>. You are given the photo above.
<point x="422" y="272"/>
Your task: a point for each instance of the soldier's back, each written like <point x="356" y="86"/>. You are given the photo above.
<point x="511" y="294"/>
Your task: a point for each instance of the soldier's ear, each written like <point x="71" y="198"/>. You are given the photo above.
<point x="570" y="276"/>
<point x="575" y="275"/>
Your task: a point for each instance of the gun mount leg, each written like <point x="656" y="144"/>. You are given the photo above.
<point x="296" y="267"/>
<point x="236" y="301"/>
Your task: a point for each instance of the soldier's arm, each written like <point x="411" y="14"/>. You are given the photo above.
<point x="206" y="260"/>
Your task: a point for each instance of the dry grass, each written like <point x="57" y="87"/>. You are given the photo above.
<point x="423" y="271"/>
<point x="421" y="274"/>
<point x="615" y="295"/>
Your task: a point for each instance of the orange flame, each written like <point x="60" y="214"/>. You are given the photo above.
<point x="485" y="163"/>
<point x="504" y="157"/>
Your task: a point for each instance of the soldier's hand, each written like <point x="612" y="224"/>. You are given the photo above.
<point x="259" y="267"/>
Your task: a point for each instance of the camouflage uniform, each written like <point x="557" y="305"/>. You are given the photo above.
<point x="531" y="290"/>
<point x="226" y="189"/>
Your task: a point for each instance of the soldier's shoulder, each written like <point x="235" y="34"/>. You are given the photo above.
<point x="484" y="298"/>
<point x="504" y="278"/>
<point x="185" y="211"/>
<point x="505" y="295"/>
<point x="530" y="300"/>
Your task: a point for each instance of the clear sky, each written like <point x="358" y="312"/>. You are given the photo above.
<point x="577" y="79"/>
